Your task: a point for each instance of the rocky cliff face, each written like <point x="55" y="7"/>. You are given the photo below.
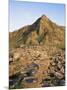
<point x="37" y="55"/>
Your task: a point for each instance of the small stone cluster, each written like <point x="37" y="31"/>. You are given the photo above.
<point x="56" y="71"/>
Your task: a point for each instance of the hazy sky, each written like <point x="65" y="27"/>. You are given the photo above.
<point x="25" y="13"/>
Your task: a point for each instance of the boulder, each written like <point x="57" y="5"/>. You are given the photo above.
<point x="58" y="75"/>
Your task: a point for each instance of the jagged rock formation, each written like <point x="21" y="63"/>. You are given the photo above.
<point x="37" y="55"/>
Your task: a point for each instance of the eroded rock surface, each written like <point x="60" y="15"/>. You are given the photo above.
<point x="33" y="67"/>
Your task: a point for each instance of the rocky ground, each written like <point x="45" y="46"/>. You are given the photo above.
<point x="36" y="66"/>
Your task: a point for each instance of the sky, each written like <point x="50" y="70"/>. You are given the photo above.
<point x="23" y="13"/>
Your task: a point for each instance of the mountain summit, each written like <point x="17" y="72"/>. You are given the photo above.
<point x="42" y="32"/>
<point x="44" y="17"/>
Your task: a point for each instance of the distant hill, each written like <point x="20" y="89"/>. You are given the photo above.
<point x="42" y="32"/>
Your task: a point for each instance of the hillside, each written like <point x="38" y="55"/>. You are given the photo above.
<point x="42" y="32"/>
<point x="37" y="55"/>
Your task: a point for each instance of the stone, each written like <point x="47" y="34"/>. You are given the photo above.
<point x="58" y="75"/>
<point x="62" y="82"/>
<point x="30" y="79"/>
<point x="62" y="70"/>
<point x="16" y="55"/>
<point x="59" y="65"/>
<point x="10" y="60"/>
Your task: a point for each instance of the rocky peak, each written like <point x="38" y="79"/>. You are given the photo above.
<point x="44" y="19"/>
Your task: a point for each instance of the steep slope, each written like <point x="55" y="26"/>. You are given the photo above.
<point x="43" y="32"/>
